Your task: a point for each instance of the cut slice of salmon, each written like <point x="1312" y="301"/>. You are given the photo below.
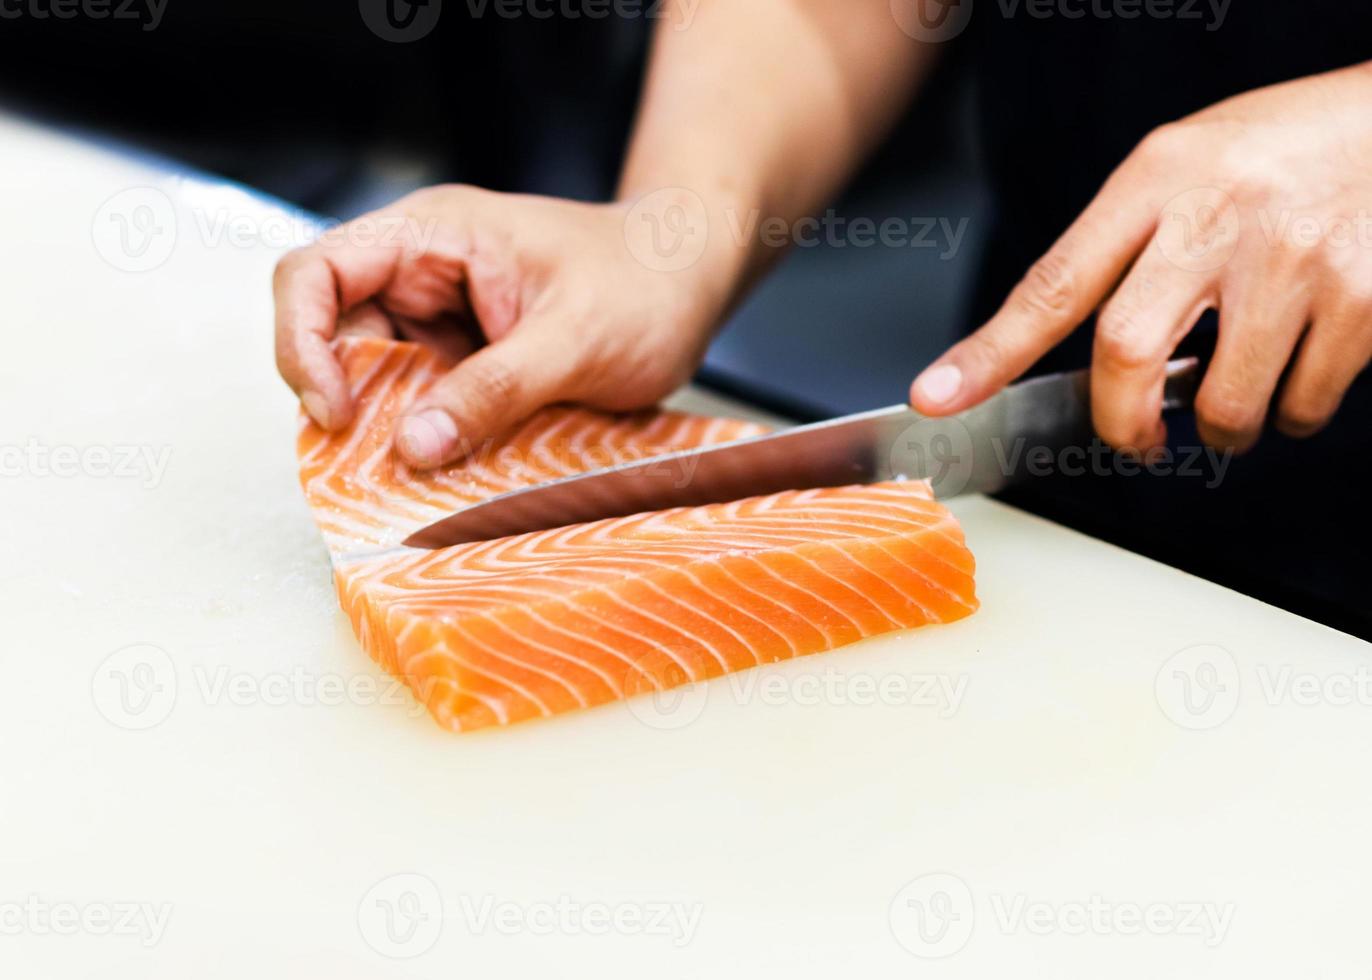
<point x="532" y="625"/>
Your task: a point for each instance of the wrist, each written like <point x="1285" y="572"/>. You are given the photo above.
<point x="699" y="237"/>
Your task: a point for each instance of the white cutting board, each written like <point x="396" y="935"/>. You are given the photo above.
<point x="1035" y="759"/>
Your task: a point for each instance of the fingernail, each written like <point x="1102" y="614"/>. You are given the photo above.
<point x="316" y="407"/>
<point x="426" y="438"/>
<point x="940" y="384"/>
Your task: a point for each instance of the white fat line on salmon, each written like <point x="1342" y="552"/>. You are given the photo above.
<point x="1098" y="459"/>
<point x="1121" y="9"/>
<point x="548" y="460"/>
<point x="1097" y="916"/>
<point x="570" y="917"/>
<point x="98" y="462"/>
<point x="776" y="688"/>
<point x="37" y="916"/>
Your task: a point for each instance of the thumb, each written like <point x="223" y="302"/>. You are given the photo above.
<point x="484" y="396"/>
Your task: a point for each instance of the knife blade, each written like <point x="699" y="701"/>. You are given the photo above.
<point x="982" y="450"/>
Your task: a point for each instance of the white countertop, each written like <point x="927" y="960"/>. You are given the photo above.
<point x="1029" y="786"/>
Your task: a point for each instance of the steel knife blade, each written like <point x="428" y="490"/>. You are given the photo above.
<point x="981" y="450"/>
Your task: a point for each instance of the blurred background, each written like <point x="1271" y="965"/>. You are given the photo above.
<point x="339" y="107"/>
<point x="304" y="101"/>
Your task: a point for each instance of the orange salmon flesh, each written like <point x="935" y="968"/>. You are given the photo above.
<point x="529" y="626"/>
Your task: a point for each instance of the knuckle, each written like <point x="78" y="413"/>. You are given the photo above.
<point x="1251" y="177"/>
<point x="1163" y="142"/>
<point x="1226" y="412"/>
<point x="1049" y="287"/>
<point x="1121" y="340"/>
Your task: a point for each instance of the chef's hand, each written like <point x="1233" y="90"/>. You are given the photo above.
<point x="1257" y="207"/>
<point x="540" y="301"/>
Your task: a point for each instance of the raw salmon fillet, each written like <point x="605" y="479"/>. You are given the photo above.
<point x="532" y="625"/>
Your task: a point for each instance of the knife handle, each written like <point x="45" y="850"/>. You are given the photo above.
<point x="1183" y="379"/>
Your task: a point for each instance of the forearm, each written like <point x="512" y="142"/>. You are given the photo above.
<point x="762" y="109"/>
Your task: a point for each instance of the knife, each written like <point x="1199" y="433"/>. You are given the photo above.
<point x="982" y="450"/>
